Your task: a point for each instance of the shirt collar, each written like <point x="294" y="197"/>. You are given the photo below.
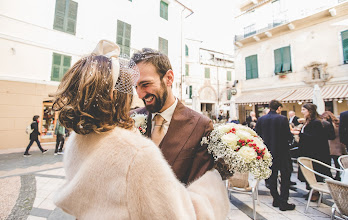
<point x="168" y="113"/>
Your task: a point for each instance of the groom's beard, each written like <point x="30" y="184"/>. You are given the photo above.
<point x="160" y="98"/>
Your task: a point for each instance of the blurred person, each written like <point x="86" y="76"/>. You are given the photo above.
<point x="112" y="171"/>
<point x="313" y="144"/>
<point x="343" y="128"/>
<point x="252" y="125"/>
<point x="234" y="120"/>
<point x="60" y="137"/>
<point x="251" y="118"/>
<point x="265" y="111"/>
<point x="34" y="136"/>
<point x="274" y="129"/>
<point x="182" y="128"/>
<point x="293" y="118"/>
<point x="337" y="149"/>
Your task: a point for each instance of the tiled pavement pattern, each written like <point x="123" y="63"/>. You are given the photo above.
<point x="28" y="185"/>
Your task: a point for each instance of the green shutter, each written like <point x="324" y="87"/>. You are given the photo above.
<point x="187" y="69"/>
<point x="59" y="15"/>
<point x="186" y="50"/>
<point x="164" y="10"/>
<point x="123" y="38"/>
<point x="207" y="73"/>
<point x="254" y="69"/>
<point x="163" y="45"/>
<point x="65" y="16"/>
<point x="286" y="55"/>
<point x="190" y="92"/>
<point x="344" y="36"/>
<point x="229" y="75"/>
<point x="278" y="61"/>
<point x="60" y="65"/>
<point x="229" y="94"/>
<point x="248" y="68"/>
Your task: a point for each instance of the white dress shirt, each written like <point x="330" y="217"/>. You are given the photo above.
<point x="167" y="115"/>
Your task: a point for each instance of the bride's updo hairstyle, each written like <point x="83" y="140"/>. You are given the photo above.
<point x="87" y="100"/>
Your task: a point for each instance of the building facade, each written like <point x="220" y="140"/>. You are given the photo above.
<point x="208" y="79"/>
<point x="285" y="47"/>
<point x="40" y="40"/>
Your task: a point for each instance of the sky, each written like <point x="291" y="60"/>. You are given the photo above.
<point x="212" y="23"/>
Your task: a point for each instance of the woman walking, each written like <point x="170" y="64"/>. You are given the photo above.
<point x="34" y="136"/>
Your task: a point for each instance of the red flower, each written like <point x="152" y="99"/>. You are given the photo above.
<point x="258" y="157"/>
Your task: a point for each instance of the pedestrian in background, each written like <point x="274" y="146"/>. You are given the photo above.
<point x="293" y="118"/>
<point x="337" y="149"/>
<point x="275" y="132"/>
<point x="343" y="128"/>
<point x="251" y="118"/>
<point x="313" y="144"/>
<point x="60" y="137"/>
<point x="34" y="136"/>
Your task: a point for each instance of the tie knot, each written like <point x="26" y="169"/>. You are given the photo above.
<point x="159" y="120"/>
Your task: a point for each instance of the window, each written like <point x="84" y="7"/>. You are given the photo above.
<point x="282" y="60"/>
<point x="187" y="69"/>
<point x="207" y="73"/>
<point x="344" y="35"/>
<point x="124" y="37"/>
<point x="65" y="16"/>
<point x="190" y="92"/>
<point x="251" y="67"/>
<point x="163" y="45"/>
<point x="60" y="65"/>
<point x="164" y="10"/>
<point x="186" y="50"/>
<point x="229" y="75"/>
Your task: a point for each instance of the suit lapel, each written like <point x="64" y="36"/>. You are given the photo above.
<point x="180" y="129"/>
<point x="149" y="125"/>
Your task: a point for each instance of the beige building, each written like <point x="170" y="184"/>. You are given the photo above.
<point x="208" y="79"/>
<point x="285" y="47"/>
<point x="40" y="40"/>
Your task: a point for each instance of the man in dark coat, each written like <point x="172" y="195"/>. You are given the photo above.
<point x="275" y="132"/>
<point x="34" y="136"/>
<point x="181" y="129"/>
<point x="343" y="128"/>
<point x="293" y="118"/>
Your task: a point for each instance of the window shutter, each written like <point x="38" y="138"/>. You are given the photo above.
<point x="186" y="50"/>
<point x="163" y="45"/>
<point x="164" y="10"/>
<point x="60" y="65"/>
<point x="254" y="69"/>
<point x="248" y="67"/>
<point x="286" y="59"/>
<point x="123" y="38"/>
<point x="229" y="77"/>
<point x="229" y="94"/>
<point x="66" y="66"/>
<point x="72" y="15"/>
<point x="59" y="15"/>
<point x="190" y="92"/>
<point x="187" y="69"/>
<point x="207" y="73"/>
<point x="278" y="60"/>
<point x="344" y="36"/>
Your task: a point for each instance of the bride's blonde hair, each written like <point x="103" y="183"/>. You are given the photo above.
<point x="87" y="100"/>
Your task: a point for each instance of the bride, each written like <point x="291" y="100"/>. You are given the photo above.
<point x="112" y="171"/>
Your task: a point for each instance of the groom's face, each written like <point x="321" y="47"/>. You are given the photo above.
<point x="150" y="88"/>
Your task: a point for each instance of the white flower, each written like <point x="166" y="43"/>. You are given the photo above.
<point x="243" y="135"/>
<point x="267" y="155"/>
<point x="259" y="143"/>
<point x="139" y="120"/>
<point x="248" y="154"/>
<point x="226" y="128"/>
<point x="231" y="140"/>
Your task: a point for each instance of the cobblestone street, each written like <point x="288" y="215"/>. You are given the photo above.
<point x="28" y="186"/>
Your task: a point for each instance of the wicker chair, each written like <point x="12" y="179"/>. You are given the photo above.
<point x="343" y="161"/>
<point x="239" y="182"/>
<point x="306" y="165"/>
<point x="339" y="193"/>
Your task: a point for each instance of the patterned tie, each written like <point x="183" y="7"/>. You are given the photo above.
<point x="158" y="133"/>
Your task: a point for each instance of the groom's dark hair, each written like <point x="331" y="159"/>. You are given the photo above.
<point x="156" y="58"/>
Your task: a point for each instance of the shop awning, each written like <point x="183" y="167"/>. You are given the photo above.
<point x="262" y="97"/>
<point x="329" y="93"/>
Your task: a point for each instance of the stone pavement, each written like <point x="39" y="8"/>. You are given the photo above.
<point x="28" y="185"/>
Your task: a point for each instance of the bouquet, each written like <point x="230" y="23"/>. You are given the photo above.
<point x="237" y="148"/>
<point x="140" y="122"/>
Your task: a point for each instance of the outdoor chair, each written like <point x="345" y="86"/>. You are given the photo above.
<point x="306" y="165"/>
<point x="339" y="193"/>
<point x="343" y="161"/>
<point x="239" y="183"/>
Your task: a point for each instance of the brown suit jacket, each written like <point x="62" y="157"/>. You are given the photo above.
<point x="181" y="145"/>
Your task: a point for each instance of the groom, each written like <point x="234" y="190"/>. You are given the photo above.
<point x="175" y="128"/>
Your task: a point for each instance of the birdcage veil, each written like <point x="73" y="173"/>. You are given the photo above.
<point x="125" y="72"/>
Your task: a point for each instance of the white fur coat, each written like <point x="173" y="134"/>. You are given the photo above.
<point x="122" y="175"/>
